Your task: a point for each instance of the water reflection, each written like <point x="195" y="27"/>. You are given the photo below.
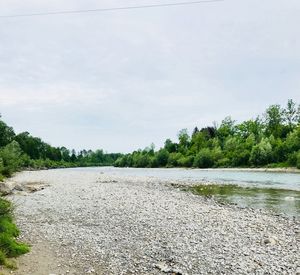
<point x="278" y="200"/>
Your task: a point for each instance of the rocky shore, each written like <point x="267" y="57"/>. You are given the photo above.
<point x="91" y="222"/>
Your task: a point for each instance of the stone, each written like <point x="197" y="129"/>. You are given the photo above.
<point x="270" y="241"/>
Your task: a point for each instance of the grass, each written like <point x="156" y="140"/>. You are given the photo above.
<point x="9" y="246"/>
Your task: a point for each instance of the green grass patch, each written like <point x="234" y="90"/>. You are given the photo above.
<point x="5" y="208"/>
<point x="7" y="226"/>
<point x="9" y="246"/>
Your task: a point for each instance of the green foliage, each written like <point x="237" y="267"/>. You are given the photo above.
<point x="204" y="159"/>
<point x="184" y="140"/>
<point x="11" y="158"/>
<point x="253" y="128"/>
<point x="274" y="119"/>
<point x="9" y="247"/>
<point x="261" y="153"/>
<point x="227" y="128"/>
<point x="6" y="134"/>
<point x="3" y="259"/>
<point x="7" y="226"/>
<point x="293" y="140"/>
<point x="170" y="146"/>
<point x="5" y="207"/>
<point x="273" y="142"/>
<point x="173" y="159"/>
<point x="162" y="157"/>
<point x="298" y="160"/>
<point x="291" y="114"/>
<point x="185" y="161"/>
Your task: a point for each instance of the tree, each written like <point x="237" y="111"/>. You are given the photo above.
<point x="209" y="131"/>
<point x="162" y="157"/>
<point x="73" y="157"/>
<point x="11" y="158"/>
<point x="261" y="153"/>
<point x="195" y="131"/>
<point x="199" y="141"/>
<point x="291" y="114"/>
<point x="65" y="153"/>
<point x="259" y="142"/>
<point x="32" y="146"/>
<point x="170" y="146"/>
<point x="250" y="127"/>
<point x="227" y="128"/>
<point x="7" y="134"/>
<point x="184" y="140"/>
<point x="204" y="159"/>
<point x="274" y="121"/>
<point x="293" y="140"/>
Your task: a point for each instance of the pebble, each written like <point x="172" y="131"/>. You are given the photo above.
<point x="142" y="225"/>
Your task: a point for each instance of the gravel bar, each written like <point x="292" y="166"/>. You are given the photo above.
<point x="95" y="222"/>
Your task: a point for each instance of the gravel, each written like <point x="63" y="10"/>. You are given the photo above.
<point x="98" y="222"/>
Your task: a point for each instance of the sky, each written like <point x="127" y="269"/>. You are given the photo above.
<point x="122" y="80"/>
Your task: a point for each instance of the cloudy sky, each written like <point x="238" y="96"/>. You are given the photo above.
<point x="122" y="80"/>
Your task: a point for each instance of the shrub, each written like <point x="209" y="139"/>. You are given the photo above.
<point x="223" y="162"/>
<point x="261" y="153"/>
<point x="186" y="161"/>
<point x="204" y="159"/>
<point x="173" y="159"/>
<point x="162" y="157"/>
<point x="7" y="226"/>
<point x="9" y="247"/>
<point x="298" y="160"/>
<point x="11" y="156"/>
<point x="5" y="207"/>
<point x="2" y="258"/>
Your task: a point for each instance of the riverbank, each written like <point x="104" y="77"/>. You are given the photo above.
<point x="277" y="170"/>
<point x="98" y="223"/>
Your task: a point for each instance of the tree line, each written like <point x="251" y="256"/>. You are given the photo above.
<point x="19" y="151"/>
<point x="270" y="140"/>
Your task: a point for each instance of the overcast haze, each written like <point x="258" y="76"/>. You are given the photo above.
<point x="122" y="80"/>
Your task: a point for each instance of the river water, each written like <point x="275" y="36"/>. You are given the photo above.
<point x="277" y="191"/>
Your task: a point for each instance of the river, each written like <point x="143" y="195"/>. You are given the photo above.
<point x="276" y="191"/>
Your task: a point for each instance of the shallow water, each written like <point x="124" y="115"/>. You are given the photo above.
<point x="278" y="191"/>
<point x="280" y="180"/>
<point x="278" y="200"/>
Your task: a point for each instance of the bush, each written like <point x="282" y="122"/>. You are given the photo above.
<point x="204" y="159"/>
<point x="186" y="161"/>
<point x="298" y="160"/>
<point x="11" y="158"/>
<point x="261" y="153"/>
<point x="173" y="159"/>
<point x="223" y="162"/>
<point x="162" y="157"/>
<point x="2" y="258"/>
<point x="5" y="207"/>
<point x="7" y="226"/>
<point x="9" y="247"/>
<point x="240" y="158"/>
